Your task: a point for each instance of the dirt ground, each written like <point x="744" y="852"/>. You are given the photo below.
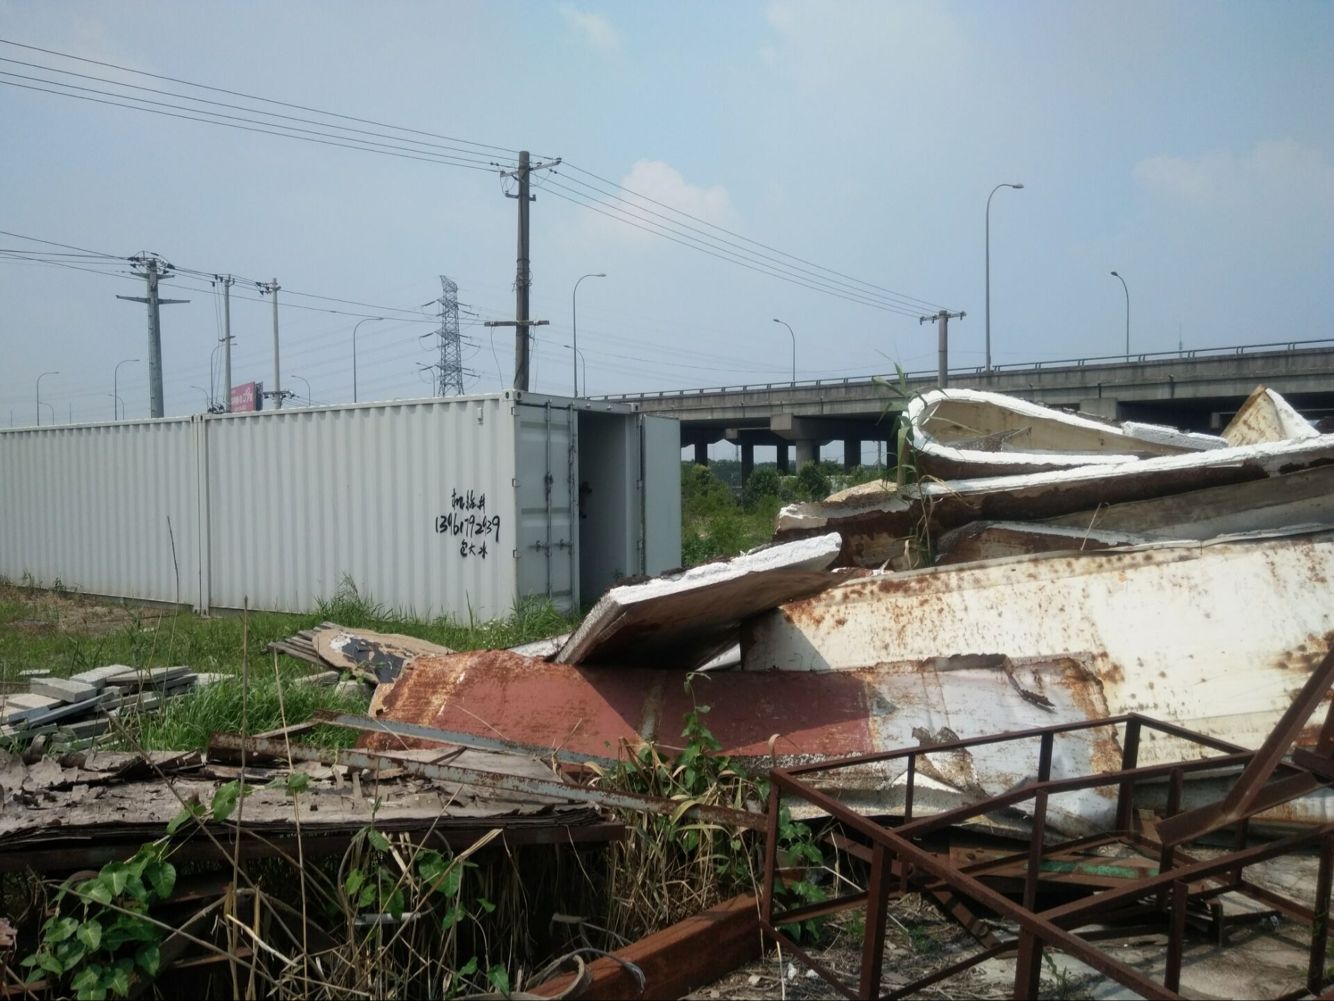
<point x="45" y="612"/>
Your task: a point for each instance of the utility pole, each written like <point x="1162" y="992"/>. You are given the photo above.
<point x="227" y="283"/>
<point x="943" y="322"/>
<point x="154" y="268"/>
<point x="277" y="393"/>
<point x="523" y="278"/>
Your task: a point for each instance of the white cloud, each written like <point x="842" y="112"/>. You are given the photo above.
<point x="664" y="183"/>
<point x="1280" y="175"/>
<point x="629" y="221"/>
<point x="595" y="29"/>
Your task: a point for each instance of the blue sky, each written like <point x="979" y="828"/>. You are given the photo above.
<point x="1186" y="145"/>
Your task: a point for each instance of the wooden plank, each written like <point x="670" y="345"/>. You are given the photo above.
<point x="676" y="960"/>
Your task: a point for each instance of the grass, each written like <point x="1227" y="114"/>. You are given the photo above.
<point x="64" y="632"/>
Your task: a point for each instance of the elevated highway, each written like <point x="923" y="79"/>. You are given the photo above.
<point x="1198" y="390"/>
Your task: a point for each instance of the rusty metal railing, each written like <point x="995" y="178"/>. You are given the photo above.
<point x="899" y="863"/>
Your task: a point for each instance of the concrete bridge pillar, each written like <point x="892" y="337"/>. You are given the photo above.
<point x="852" y="452"/>
<point x="781" y="458"/>
<point x="747" y="461"/>
<point x="808" y="450"/>
<point x="701" y="453"/>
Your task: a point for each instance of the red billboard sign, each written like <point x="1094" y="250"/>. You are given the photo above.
<point x="247" y="397"/>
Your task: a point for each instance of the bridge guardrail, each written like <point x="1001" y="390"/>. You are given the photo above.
<point x="1051" y="364"/>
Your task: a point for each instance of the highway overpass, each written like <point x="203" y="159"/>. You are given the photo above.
<point x="1198" y="390"/>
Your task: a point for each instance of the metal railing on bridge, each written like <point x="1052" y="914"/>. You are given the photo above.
<point x="1271" y="347"/>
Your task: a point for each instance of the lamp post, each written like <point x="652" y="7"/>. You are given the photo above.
<point x="574" y="329"/>
<point x="354" y="354"/>
<point x="39" y="399"/>
<point x="583" y="363"/>
<point x="307" y="382"/>
<point x="989" y="197"/>
<point x="208" y="403"/>
<point x="1127" y="292"/>
<point x="794" y="348"/>
<point x="115" y="387"/>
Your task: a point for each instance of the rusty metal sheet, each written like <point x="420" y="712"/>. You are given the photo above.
<point x="962" y="433"/>
<point x="763" y="716"/>
<point x="875" y="524"/>
<point x="685" y="618"/>
<point x="1215" y="636"/>
<point x="1266" y="416"/>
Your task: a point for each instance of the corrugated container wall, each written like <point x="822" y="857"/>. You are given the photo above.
<point x="106" y="508"/>
<point x="458" y="506"/>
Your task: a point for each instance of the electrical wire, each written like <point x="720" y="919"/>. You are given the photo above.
<point x="354" y="144"/>
<point x="822" y="279"/>
<point x="730" y="246"/>
<point x="874" y="304"/>
<point x="252" y="97"/>
<point x="746" y="239"/>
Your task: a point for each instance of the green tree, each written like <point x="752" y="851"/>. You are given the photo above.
<point x="762" y="485"/>
<point x="812" y="482"/>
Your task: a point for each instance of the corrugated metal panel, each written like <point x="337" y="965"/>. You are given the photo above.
<point x="412" y="502"/>
<point x="544" y="469"/>
<point x="97" y="508"/>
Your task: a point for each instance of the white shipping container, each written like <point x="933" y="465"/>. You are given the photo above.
<point x="458" y="506"/>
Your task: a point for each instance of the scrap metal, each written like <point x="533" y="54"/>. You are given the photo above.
<point x="900" y="863"/>
<point x="874" y="524"/>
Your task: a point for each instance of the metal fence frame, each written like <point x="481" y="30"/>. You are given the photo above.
<point x="899" y="865"/>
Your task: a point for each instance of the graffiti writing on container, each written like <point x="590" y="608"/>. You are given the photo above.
<point x="468" y="522"/>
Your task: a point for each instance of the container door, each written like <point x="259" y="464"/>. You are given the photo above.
<point x="660" y="454"/>
<point x="544" y="490"/>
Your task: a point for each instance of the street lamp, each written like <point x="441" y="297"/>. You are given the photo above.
<point x="354" y="354"/>
<point x="574" y="329"/>
<point x="794" y="348"/>
<point x="1127" y="292"/>
<point x="39" y="399"/>
<point x="308" y="400"/>
<point x="989" y="197"/>
<point x="208" y="403"/>
<point x="115" y="386"/>
<point x="583" y="363"/>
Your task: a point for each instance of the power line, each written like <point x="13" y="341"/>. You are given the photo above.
<point x="822" y="279"/>
<point x="722" y="256"/>
<point x="746" y="239"/>
<point x="471" y="155"/>
<point x="890" y="297"/>
<point x="253" y="97"/>
<point x="352" y="144"/>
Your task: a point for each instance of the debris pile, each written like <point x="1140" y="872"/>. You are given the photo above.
<point x="73" y="713"/>
<point x="1057" y="629"/>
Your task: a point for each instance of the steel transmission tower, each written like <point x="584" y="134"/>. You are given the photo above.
<point x="449" y="369"/>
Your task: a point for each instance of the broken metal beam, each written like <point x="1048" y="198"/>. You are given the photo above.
<point x="675" y="961"/>
<point x="477" y="742"/>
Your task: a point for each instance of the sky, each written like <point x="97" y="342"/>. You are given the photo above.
<point x="825" y="163"/>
